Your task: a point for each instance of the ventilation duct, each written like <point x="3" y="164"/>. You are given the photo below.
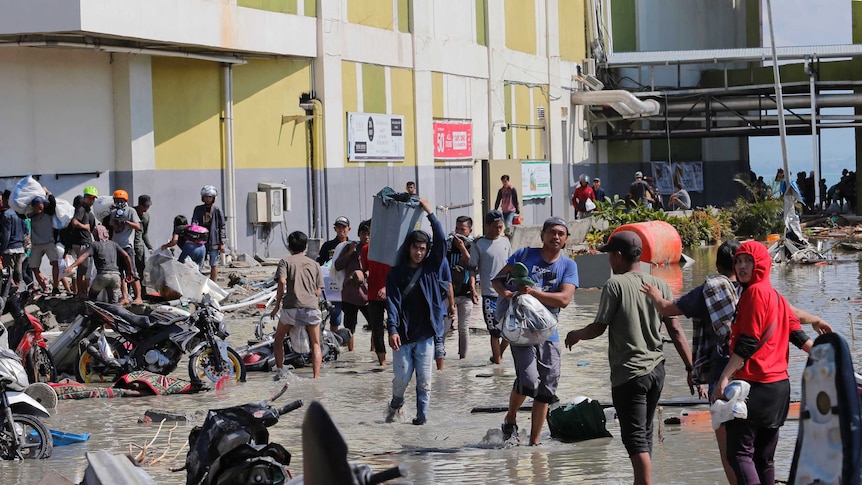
<point x="623" y="102"/>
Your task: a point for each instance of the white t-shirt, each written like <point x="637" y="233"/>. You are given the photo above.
<point x="124" y="234"/>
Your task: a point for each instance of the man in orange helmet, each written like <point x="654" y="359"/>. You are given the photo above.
<point x="123" y="222"/>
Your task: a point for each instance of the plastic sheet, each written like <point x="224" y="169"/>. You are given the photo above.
<point x="174" y="280"/>
<point x="63" y="214"/>
<point x="102" y="207"/>
<point x="23" y="194"/>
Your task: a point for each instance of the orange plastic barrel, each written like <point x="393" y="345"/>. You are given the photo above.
<point x="661" y="242"/>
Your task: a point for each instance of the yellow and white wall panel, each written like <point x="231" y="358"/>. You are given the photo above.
<point x="220" y="25"/>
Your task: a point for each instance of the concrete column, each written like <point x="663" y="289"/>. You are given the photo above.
<point x="133" y="121"/>
<point x="496" y="32"/>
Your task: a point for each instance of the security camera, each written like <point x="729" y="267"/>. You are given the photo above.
<point x="503" y="128"/>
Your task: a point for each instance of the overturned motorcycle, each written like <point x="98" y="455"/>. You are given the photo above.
<point x="156" y="343"/>
<point x="258" y="355"/>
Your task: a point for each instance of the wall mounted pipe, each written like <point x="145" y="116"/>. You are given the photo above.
<point x="624" y="102"/>
<point x="230" y="170"/>
<point x="127" y="50"/>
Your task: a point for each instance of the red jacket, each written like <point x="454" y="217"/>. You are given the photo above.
<point x="763" y="314"/>
<point x="580" y="196"/>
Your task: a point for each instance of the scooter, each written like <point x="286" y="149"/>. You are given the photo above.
<point x="232" y="447"/>
<point x="22" y="434"/>
<point x="25" y="335"/>
<point x="259" y="354"/>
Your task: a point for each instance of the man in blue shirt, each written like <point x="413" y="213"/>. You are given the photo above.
<point x="537" y="367"/>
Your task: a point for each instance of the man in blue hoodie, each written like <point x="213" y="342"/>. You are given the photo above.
<point x="415" y="311"/>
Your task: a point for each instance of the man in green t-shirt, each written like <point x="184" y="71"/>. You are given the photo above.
<point x="634" y="347"/>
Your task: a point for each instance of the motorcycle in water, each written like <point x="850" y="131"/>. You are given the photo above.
<point x="154" y="344"/>
<point x="22" y="434"/>
<point x="25" y="334"/>
<point x="259" y="354"/>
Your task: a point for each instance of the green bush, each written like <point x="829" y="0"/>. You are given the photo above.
<point x="757" y="219"/>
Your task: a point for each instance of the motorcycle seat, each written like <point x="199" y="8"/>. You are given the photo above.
<point x="139" y="321"/>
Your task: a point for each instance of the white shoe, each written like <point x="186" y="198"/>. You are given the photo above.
<point x="280" y="374"/>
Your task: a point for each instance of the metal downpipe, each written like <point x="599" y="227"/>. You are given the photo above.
<point x="317" y="168"/>
<point x="230" y="171"/>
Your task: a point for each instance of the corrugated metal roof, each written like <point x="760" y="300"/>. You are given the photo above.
<point x="751" y="54"/>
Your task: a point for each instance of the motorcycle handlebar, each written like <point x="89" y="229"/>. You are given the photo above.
<point x="386" y="475"/>
<point x="292" y="406"/>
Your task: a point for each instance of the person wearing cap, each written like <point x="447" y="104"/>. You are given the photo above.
<point x="81" y="230"/>
<point x="327" y="250"/>
<point x="598" y="190"/>
<point x="639" y="190"/>
<point x="142" y="238"/>
<point x="108" y="257"/>
<point x="507" y="201"/>
<point x="634" y="346"/>
<point x="123" y="223"/>
<point x="583" y="192"/>
<point x="488" y="256"/>
<point x="537" y="367"/>
<point x="42" y="239"/>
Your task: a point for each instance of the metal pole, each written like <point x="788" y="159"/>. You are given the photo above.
<point x="230" y="175"/>
<point x="809" y="67"/>
<point x="782" y="129"/>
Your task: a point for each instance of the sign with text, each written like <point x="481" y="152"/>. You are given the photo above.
<point x="375" y="137"/>
<point x="667" y="174"/>
<point x="453" y="140"/>
<point x="535" y="179"/>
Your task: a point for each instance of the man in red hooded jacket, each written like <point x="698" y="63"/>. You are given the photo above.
<point x="760" y="348"/>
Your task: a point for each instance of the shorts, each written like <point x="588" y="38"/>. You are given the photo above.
<point x="299" y="316"/>
<point x="75" y="252"/>
<point x="41" y="250"/>
<point x="635" y="401"/>
<point x="110" y="282"/>
<point x="537" y="368"/>
<point x="214" y="254"/>
<point x="489" y="306"/>
<point x="123" y="270"/>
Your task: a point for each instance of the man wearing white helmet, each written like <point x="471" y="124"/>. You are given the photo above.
<point x="211" y="217"/>
<point x="580" y="197"/>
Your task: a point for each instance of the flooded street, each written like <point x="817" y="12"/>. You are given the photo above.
<point x="449" y="448"/>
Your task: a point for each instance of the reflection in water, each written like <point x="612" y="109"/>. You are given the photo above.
<point x="448" y="449"/>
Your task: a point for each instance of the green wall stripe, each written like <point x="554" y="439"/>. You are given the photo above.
<point x="404" y="16"/>
<point x="623" y="16"/>
<point x="373" y="88"/>
<point x="481" y="37"/>
<point x="310" y="8"/>
<point x="282" y="6"/>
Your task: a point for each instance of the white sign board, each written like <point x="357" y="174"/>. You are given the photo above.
<point x="535" y="179"/>
<point x="375" y="137"/>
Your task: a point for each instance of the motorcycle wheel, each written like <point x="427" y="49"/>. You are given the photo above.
<point x="201" y="366"/>
<point x="40" y="366"/>
<point x="89" y="369"/>
<point x="34" y="437"/>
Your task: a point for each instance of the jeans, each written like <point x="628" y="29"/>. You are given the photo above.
<point x="464" y="308"/>
<point x="195" y="251"/>
<point x="412" y="356"/>
<point x="335" y="314"/>
<point x="508" y="217"/>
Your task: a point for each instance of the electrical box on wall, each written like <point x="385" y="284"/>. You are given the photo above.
<point x="269" y="203"/>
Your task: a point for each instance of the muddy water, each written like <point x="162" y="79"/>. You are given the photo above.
<point x="450" y="448"/>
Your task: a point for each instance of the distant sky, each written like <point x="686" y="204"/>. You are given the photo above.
<point x="797" y="23"/>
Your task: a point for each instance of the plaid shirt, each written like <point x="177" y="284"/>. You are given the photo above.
<point x="720" y="295"/>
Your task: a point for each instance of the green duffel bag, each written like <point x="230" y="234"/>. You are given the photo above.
<point x="578" y="420"/>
